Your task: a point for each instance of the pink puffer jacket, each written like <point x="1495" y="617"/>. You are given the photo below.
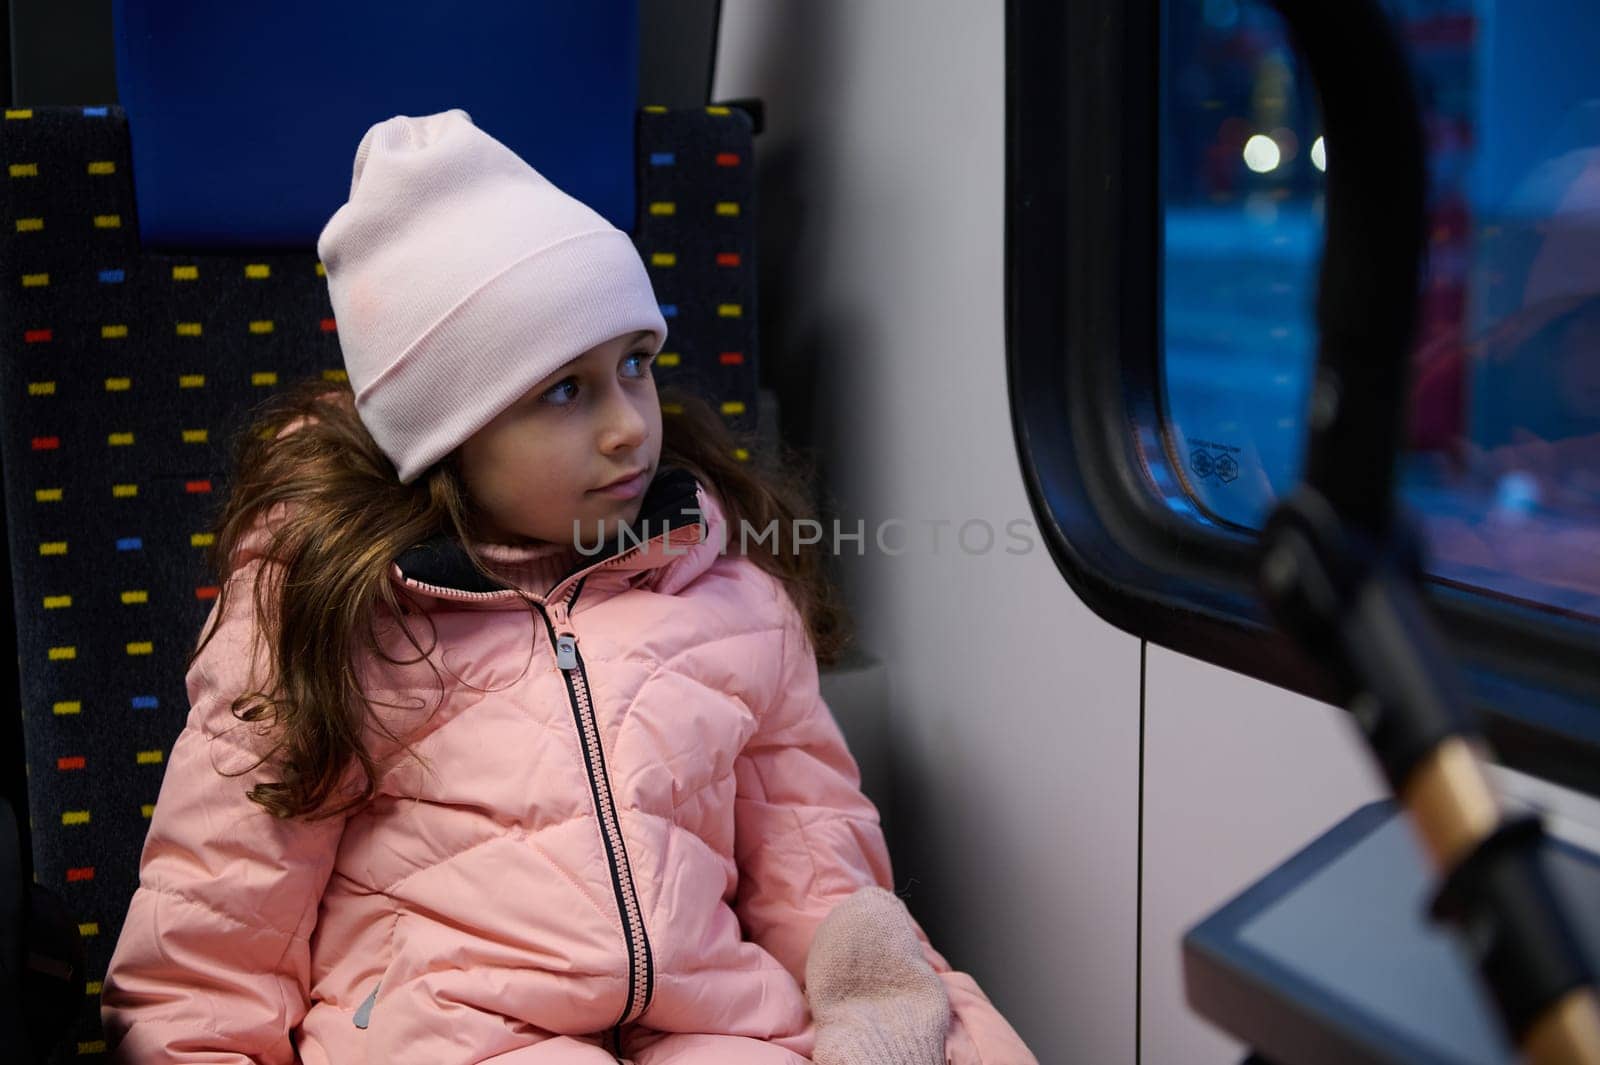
<point x="618" y="832"/>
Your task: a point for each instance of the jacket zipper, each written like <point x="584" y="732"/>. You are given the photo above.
<point x="557" y="619"/>
<point x="641" y="974"/>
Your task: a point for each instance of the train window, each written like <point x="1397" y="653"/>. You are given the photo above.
<point x="1165" y="176"/>
<point x="1503" y="465"/>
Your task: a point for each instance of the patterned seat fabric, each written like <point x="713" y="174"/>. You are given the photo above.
<point x="123" y="377"/>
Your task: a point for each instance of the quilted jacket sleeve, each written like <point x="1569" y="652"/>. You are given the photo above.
<point x="213" y="961"/>
<point x="806" y="839"/>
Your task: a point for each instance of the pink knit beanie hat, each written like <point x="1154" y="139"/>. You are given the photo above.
<point x="460" y="277"/>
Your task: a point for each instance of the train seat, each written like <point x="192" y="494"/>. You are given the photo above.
<point x="124" y="370"/>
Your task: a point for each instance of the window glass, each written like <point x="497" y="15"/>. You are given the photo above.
<point x="1502" y="467"/>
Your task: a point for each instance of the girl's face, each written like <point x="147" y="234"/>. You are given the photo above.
<point x="535" y="469"/>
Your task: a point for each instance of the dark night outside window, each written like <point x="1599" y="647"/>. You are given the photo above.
<point x="1503" y="467"/>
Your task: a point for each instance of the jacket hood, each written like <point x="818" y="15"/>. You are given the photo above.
<point x="675" y="538"/>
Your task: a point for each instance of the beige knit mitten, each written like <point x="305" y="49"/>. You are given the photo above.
<point x="874" y="997"/>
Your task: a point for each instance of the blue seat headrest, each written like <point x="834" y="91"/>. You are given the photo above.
<point x="244" y="120"/>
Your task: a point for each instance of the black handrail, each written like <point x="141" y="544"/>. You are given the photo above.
<point x="1373" y="253"/>
<point x="1342" y="571"/>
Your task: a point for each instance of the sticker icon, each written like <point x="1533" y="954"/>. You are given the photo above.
<point x="1227" y="468"/>
<point x="1201" y="463"/>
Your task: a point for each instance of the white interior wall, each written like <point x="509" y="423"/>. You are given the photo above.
<point x="1013" y="709"/>
<point x="1238" y="775"/>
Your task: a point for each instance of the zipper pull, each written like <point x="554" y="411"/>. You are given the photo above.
<point x="363" y="1015"/>
<point x="566" y="639"/>
<point x="567" y="651"/>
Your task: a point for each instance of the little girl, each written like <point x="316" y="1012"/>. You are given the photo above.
<point x="500" y="748"/>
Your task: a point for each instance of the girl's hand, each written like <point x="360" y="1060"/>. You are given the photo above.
<point x="874" y="997"/>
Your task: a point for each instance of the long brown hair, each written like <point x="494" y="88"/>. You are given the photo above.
<point x="346" y="518"/>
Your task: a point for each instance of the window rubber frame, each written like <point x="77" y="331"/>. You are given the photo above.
<point x="1083" y="328"/>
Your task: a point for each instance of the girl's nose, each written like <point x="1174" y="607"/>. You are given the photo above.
<point x="625" y="425"/>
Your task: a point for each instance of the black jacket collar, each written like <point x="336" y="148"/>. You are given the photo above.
<point x="669" y="503"/>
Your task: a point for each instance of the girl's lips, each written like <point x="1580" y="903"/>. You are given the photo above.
<point x="624" y="489"/>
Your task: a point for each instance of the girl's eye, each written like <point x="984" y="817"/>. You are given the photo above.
<point x="558" y="395"/>
<point x="564" y="393"/>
